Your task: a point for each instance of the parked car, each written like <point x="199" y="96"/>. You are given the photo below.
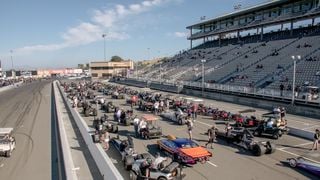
<point x="184" y="150"/>
<point x="7" y="142"/>
<point x="304" y="164"/>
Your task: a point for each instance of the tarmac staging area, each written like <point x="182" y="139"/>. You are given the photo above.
<point x="228" y="161"/>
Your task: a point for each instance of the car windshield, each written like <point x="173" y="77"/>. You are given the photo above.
<point x="188" y="144"/>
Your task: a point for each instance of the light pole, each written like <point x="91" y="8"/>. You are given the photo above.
<point x="294" y="76"/>
<point x="104" y="45"/>
<point x="202" y="62"/>
<point x="11" y="52"/>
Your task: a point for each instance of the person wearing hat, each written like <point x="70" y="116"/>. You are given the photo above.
<point x="212" y="136"/>
<point x="316" y="140"/>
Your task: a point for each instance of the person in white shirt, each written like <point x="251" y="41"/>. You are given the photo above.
<point x="142" y="126"/>
<point x="136" y="122"/>
<point x="75" y="102"/>
<point x="118" y="115"/>
<point x="156" y="107"/>
<point x="158" y="161"/>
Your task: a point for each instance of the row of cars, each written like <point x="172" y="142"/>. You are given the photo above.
<point x="185" y="151"/>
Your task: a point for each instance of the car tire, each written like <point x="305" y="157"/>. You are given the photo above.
<point x="258" y="149"/>
<point x="270" y="148"/>
<point x="133" y="175"/>
<point x="275" y="135"/>
<point x="293" y="162"/>
<point x="8" y="153"/>
<point x="128" y="161"/>
<point x="180" y="121"/>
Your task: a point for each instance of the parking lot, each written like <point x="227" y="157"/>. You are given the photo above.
<point x="228" y="161"/>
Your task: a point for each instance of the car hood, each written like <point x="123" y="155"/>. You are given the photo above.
<point x="195" y="152"/>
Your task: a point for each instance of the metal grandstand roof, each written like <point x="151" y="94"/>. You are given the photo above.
<point x="242" y="11"/>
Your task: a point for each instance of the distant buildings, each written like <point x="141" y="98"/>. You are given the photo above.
<point x="107" y="69"/>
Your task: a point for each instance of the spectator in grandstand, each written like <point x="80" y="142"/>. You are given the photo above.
<point x="289" y="87"/>
<point x="281" y="89"/>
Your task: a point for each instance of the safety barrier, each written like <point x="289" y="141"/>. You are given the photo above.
<point x="64" y="146"/>
<point x="103" y="162"/>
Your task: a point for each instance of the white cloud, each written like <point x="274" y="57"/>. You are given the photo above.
<point x="103" y="21"/>
<point x="181" y="34"/>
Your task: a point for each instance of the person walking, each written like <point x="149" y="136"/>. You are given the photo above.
<point x="212" y="136"/>
<point x="316" y="140"/>
<point x="190" y="127"/>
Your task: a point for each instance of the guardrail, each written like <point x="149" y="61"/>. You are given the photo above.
<point x="103" y="162"/>
<point x="68" y="172"/>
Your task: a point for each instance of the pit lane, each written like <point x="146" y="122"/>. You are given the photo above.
<point x="228" y="161"/>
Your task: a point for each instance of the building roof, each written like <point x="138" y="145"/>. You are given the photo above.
<point x="241" y="12"/>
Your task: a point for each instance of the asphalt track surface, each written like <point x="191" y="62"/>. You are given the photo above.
<point x="228" y="161"/>
<point x="28" y="110"/>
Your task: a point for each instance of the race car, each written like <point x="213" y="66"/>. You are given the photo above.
<point x="184" y="150"/>
<point x="302" y="163"/>
<point x="176" y="116"/>
<point x="243" y="138"/>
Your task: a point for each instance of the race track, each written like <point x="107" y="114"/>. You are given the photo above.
<point x="28" y="110"/>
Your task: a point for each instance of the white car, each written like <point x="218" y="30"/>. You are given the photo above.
<point x="7" y="142"/>
<point x="176" y="116"/>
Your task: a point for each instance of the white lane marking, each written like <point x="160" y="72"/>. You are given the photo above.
<point x="1" y="165"/>
<point x="203" y="123"/>
<point x="295" y="146"/>
<point x="76" y="169"/>
<point x="297" y="155"/>
<point x="212" y="164"/>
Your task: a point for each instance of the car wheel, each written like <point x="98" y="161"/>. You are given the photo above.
<point x="293" y="162"/>
<point x="8" y="154"/>
<point x="128" y="161"/>
<point x="275" y="135"/>
<point x="258" y="149"/>
<point x="180" y="121"/>
<point x="270" y="148"/>
<point x="133" y="175"/>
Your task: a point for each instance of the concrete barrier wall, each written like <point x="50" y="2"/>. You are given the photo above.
<point x="165" y="87"/>
<point x="103" y="162"/>
<point x="68" y="164"/>
<point x="133" y="82"/>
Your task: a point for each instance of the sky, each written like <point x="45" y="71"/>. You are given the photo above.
<point x="64" y="33"/>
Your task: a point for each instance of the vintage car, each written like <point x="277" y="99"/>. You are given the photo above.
<point x="177" y="116"/>
<point x="104" y="124"/>
<point x="108" y="107"/>
<point x="271" y="125"/>
<point x="243" y="138"/>
<point x="184" y="150"/>
<point x="7" y="142"/>
<point x="243" y="120"/>
<point x="145" y="106"/>
<point x="152" y="130"/>
<point x="98" y="100"/>
<point x="304" y="164"/>
<point x="168" y="172"/>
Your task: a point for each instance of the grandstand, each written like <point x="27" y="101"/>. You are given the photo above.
<point x="251" y="47"/>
